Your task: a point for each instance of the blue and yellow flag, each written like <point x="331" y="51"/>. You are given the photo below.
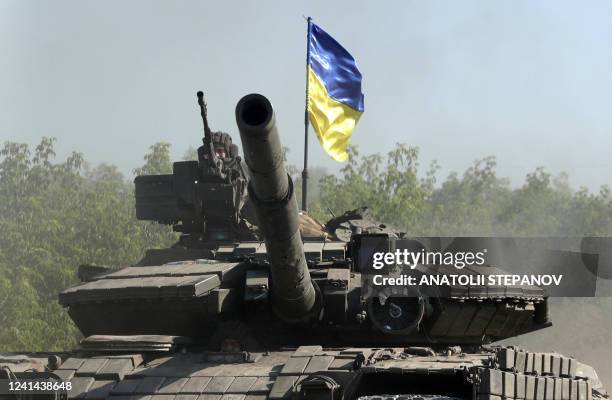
<point x="335" y="101"/>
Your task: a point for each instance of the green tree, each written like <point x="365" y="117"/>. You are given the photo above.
<point x="54" y="217"/>
<point x="157" y="161"/>
<point x="388" y="185"/>
<point x="190" y="154"/>
<point x="477" y="202"/>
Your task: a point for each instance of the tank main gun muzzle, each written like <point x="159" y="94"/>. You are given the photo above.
<point x="294" y="296"/>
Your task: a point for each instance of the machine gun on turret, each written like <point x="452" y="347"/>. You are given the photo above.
<point x="209" y="160"/>
<point x="202" y="199"/>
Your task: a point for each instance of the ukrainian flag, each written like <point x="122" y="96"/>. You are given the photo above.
<point x="335" y="101"/>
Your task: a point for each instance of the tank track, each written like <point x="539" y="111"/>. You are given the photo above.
<point x="518" y="374"/>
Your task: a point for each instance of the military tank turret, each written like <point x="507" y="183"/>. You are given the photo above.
<point x="266" y="313"/>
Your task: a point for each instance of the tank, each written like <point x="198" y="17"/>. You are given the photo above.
<point x="250" y="305"/>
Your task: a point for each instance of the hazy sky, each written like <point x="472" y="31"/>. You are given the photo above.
<point x="527" y="81"/>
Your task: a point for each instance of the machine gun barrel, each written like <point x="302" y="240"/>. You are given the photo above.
<point x="294" y="296"/>
<point x="213" y="162"/>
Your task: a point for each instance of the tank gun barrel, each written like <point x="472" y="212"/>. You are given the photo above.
<point x="294" y="296"/>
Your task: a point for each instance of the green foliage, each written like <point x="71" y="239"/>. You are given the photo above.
<point x="389" y="186"/>
<point x="157" y="161"/>
<point x="476" y="203"/>
<point x="190" y="154"/>
<point x="54" y="217"/>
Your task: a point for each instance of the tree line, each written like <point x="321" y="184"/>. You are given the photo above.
<point x="56" y="215"/>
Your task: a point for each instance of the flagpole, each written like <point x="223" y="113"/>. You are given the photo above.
<point x="305" y="170"/>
